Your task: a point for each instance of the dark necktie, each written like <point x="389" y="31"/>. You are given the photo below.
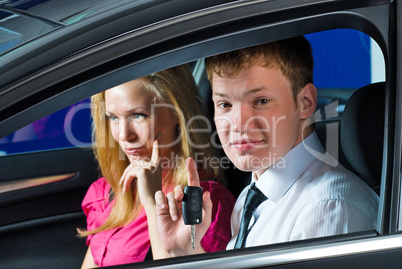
<point x="253" y="199"/>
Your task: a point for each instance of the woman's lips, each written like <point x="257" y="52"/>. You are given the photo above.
<point x="133" y="151"/>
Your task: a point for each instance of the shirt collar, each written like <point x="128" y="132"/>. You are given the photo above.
<point x="278" y="179"/>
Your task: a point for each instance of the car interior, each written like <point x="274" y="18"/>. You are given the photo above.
<point x="53" y="210"/>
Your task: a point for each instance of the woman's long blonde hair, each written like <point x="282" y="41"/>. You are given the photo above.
<point x="176" y="87"/>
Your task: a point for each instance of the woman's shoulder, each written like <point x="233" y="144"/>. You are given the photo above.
<point x="98" y="191"/>
<point x="99" y="186"/>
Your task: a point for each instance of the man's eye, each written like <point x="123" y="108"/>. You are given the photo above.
<point x="262" y="101"/>
<point x="224" y="105"/>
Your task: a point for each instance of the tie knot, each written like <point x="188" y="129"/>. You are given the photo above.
<point x="254" y="197"/>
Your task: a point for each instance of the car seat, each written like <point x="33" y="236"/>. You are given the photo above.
<point x="362" y="132"/>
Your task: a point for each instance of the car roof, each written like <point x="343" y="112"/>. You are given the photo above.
<point x="27" y="20"/>
<point x="24" y="21"/>
<point x="55" y="32"/>
<point x="33" y="19"/>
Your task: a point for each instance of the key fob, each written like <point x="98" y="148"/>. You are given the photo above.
<point x="192" y="205"/>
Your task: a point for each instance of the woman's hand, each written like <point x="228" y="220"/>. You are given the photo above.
<point x="149" y="181"/>
<point x="148" y="175"/>
<point x="174" y="234"/>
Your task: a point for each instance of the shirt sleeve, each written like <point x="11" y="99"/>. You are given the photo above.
<point x="331" y="217"/>
<point x="218" y="234"/>
<point x="94" y="204"/>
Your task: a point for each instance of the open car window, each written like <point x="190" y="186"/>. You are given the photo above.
<point x="69" y="127"/>
<point x="345" y="60"/>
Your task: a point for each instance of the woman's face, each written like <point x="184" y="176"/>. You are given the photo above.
<point x="136" y="119"/>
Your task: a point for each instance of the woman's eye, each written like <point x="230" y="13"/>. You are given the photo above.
<point x="139" y="116"/>
<point x="113" y="118"/>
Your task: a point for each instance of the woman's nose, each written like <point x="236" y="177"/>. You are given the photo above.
<point x="126" y="131"/>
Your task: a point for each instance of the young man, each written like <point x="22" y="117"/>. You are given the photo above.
<point x="263" y="99"/>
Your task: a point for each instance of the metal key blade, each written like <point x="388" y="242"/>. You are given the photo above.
<point x="192" y="236"/>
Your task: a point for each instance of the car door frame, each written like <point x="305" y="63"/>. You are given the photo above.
<point x="135" y="54"/>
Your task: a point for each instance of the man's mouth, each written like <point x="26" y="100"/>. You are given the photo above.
<point x="246" y="144"/>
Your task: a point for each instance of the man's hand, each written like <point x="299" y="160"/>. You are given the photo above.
<point x="174" y="234"/>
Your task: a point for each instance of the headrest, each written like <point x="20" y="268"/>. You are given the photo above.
<point x="362" y="132"/>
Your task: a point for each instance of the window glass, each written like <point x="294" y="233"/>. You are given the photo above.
<point x="344" y="61"/>
<point x="69" y="127"/>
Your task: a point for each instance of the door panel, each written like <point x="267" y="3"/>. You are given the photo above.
<point x="38" y="224"/>
<point x="49" y="242"/>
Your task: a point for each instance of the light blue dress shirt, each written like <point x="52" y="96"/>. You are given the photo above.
<point x="309" y="195"/>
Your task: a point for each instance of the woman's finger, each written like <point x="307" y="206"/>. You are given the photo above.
<point x="124" y="175"/>
<point x="127" y="179"/>
<point x="130" y="167"/>
<point x="155" y="153"/>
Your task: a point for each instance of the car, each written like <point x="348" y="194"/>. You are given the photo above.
<point x="55" y="54"/>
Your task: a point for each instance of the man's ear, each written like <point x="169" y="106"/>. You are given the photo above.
<point x="307" y="99"/>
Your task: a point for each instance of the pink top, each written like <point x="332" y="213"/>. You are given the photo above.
<point x="130" y="243"/>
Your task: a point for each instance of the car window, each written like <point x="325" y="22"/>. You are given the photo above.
<point x="344" y="61"/>
<point x="68" y="127"/>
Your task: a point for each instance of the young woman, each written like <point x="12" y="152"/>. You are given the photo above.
<point x="144" y="130"/>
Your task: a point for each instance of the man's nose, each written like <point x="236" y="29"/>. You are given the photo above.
<point x="241" y="119"/>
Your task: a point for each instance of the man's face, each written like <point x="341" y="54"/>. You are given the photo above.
<point x="257" y="118"/>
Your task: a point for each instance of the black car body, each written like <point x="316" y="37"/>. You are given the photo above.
<point x="57" y="53"/>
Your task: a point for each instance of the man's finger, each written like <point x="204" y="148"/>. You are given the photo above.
<point x="160" y="200"/>
<point x="179" y="192"/>
<point x="174" y="212"/>
<point x="192" y="173"/>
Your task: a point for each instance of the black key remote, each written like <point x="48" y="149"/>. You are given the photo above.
<point x="192" y="205"/>
<point x="192" y="209"/>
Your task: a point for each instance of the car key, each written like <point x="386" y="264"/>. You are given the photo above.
<point x="192" y="209"/>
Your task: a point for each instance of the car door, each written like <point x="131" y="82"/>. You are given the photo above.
<point x="42" y="183"/>
<point x="46" y="215"/>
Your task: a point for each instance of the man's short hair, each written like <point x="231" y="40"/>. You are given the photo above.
<point x="292" y="56"/>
